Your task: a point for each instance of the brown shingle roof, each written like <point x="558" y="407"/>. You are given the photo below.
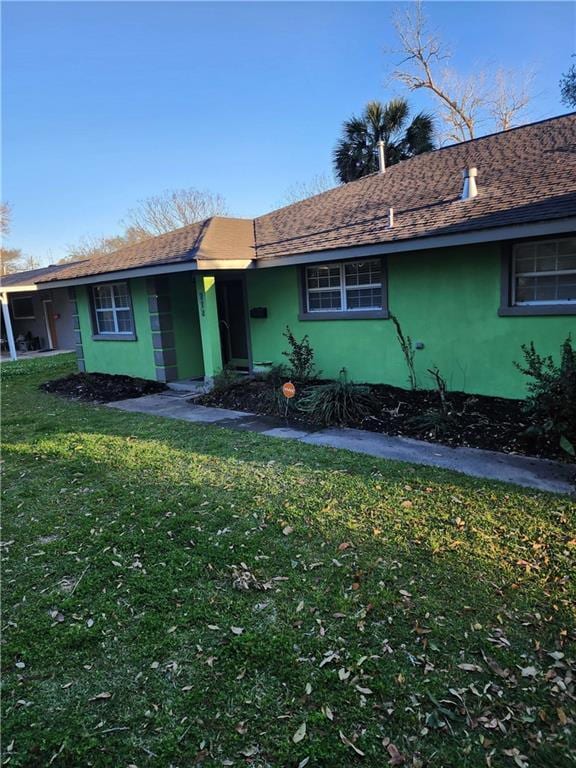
<point x="525" y="175"/>
<point x="32" y="276"/>
<point x="216" y="238"/>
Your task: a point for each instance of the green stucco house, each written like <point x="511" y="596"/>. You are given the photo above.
<point x="472" y="247"/>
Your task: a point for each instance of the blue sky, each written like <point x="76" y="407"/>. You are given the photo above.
<point x="105" y="103"/>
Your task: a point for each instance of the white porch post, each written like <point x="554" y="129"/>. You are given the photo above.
<point x="8" y="326"/>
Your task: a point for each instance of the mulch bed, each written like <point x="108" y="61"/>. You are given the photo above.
<point x="476" y="421"/>
<point x="102" y="387"/>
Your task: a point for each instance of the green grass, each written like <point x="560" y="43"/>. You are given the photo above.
<point x="123" y="537"/>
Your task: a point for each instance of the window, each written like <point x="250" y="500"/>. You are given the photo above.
<point x="355" y="286"/>
<point x="544" y="272"/>
<point x="23" y="308"/>
<point x="113" y="310"/>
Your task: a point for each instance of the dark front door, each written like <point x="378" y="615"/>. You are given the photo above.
<point x="232" y="320"/>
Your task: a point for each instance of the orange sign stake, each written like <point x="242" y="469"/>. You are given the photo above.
<point x="288" y="390"/>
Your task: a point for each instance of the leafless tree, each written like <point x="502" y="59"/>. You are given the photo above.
<point x="152" y="216"/>
<point x="5" y="218"/>
<point x="101" y="246"/>
<point x="174" y="209"/>
<point x="10" y="260"/>
<point x="319" y="183"/>
<point x="492" y="99"/>
<point x="511" y="95"/>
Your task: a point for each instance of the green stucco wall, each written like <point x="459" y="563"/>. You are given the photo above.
<point x="447" y="299"/>
<point x="133" y="358"/>
<point x="186" y="326"/>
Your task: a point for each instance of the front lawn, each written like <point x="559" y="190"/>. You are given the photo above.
<point x="180" y="595"/>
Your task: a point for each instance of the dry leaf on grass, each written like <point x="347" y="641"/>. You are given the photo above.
<point x="350" y="744"/>
<point x="300" y="734"/>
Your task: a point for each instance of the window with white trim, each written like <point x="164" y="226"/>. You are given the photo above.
<point x="113" y="310"/>
<point x="544" y="272"/>
<point x="346" y="287"/>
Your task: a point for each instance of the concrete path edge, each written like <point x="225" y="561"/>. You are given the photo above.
<point x="526" y="471"/>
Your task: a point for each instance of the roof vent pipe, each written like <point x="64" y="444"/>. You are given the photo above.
<point x="469" y="189"/>
<point x="390" y="218"/>
<point x="381" y="159"/>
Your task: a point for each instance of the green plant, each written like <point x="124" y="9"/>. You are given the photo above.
<point x="337" y="402"/>
<point x="277" y="374"/>
<point x="551" y="403"/>
<point x="228" y="377"/>
<point x="440" y="420"/>
<point x="300" y="356"/>
<point x="407" y="350"/>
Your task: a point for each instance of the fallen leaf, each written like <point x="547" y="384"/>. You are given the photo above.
<point x="529" y="672"/>
<point x="101" y="696"/>
<point x="249" y="751"/>
<point x="396" y="758"/>
<point x="470" y="667"/>
<point x="348" y="743"/>
<point x="300" y="734"/>
<point x="237" y="630"/>
<point x="327" y="712"/>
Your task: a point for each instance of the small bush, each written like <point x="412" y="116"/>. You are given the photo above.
<point x="276" y="375"/>
<point x="300" y="356"/>
<point x="551" y="403"/>
<point x="337" y="402"/>
<point x="226" y="379"/>
<point x="442" y="419"/>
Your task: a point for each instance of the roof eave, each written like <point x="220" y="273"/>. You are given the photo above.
<point x="429" y="242"/>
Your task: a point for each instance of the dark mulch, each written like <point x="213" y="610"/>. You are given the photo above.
<point x="476" y="421"/>
<point x="102" y="387"/>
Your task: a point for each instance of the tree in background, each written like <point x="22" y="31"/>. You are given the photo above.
<point x="568" y="87"/>
<point x="173" y="209"/>
<point x="153" y="216"/>
<point x="319" y="183"/>
<point x="11" y="259"/>
<point x="356" y="153"/>
<point x="467" y="103"/>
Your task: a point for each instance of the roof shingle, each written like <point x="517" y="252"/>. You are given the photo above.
<point x="525" y="175"/>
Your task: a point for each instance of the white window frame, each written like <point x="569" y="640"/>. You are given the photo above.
<point x="342" y="287"/>
<point x="548" y="273"/>
<point x="114" y="309"/>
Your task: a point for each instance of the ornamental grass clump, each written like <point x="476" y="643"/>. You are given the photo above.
<point x="338" y="402"/>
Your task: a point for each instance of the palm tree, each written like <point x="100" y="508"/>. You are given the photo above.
<point x="356" y="153"/>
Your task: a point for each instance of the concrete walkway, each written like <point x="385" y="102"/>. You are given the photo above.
<point x="541" y="474"/>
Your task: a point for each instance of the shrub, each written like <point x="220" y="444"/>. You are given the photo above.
<point x="440" y="420"/>
<point x="227" y="378"/>
<point x="337" y="402"/>
<point x="551" y="403"/>
<point x="276" y="375"/>
<point x="300" y="356"/>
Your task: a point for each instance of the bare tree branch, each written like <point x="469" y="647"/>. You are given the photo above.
<point x="512" y="94"/>
<point x="153" y="216"/>
<point x="465" y="101"/>
<point x="319" y="183"/>
<point x="5" y="218"/>
<point x="171" y="210"/>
